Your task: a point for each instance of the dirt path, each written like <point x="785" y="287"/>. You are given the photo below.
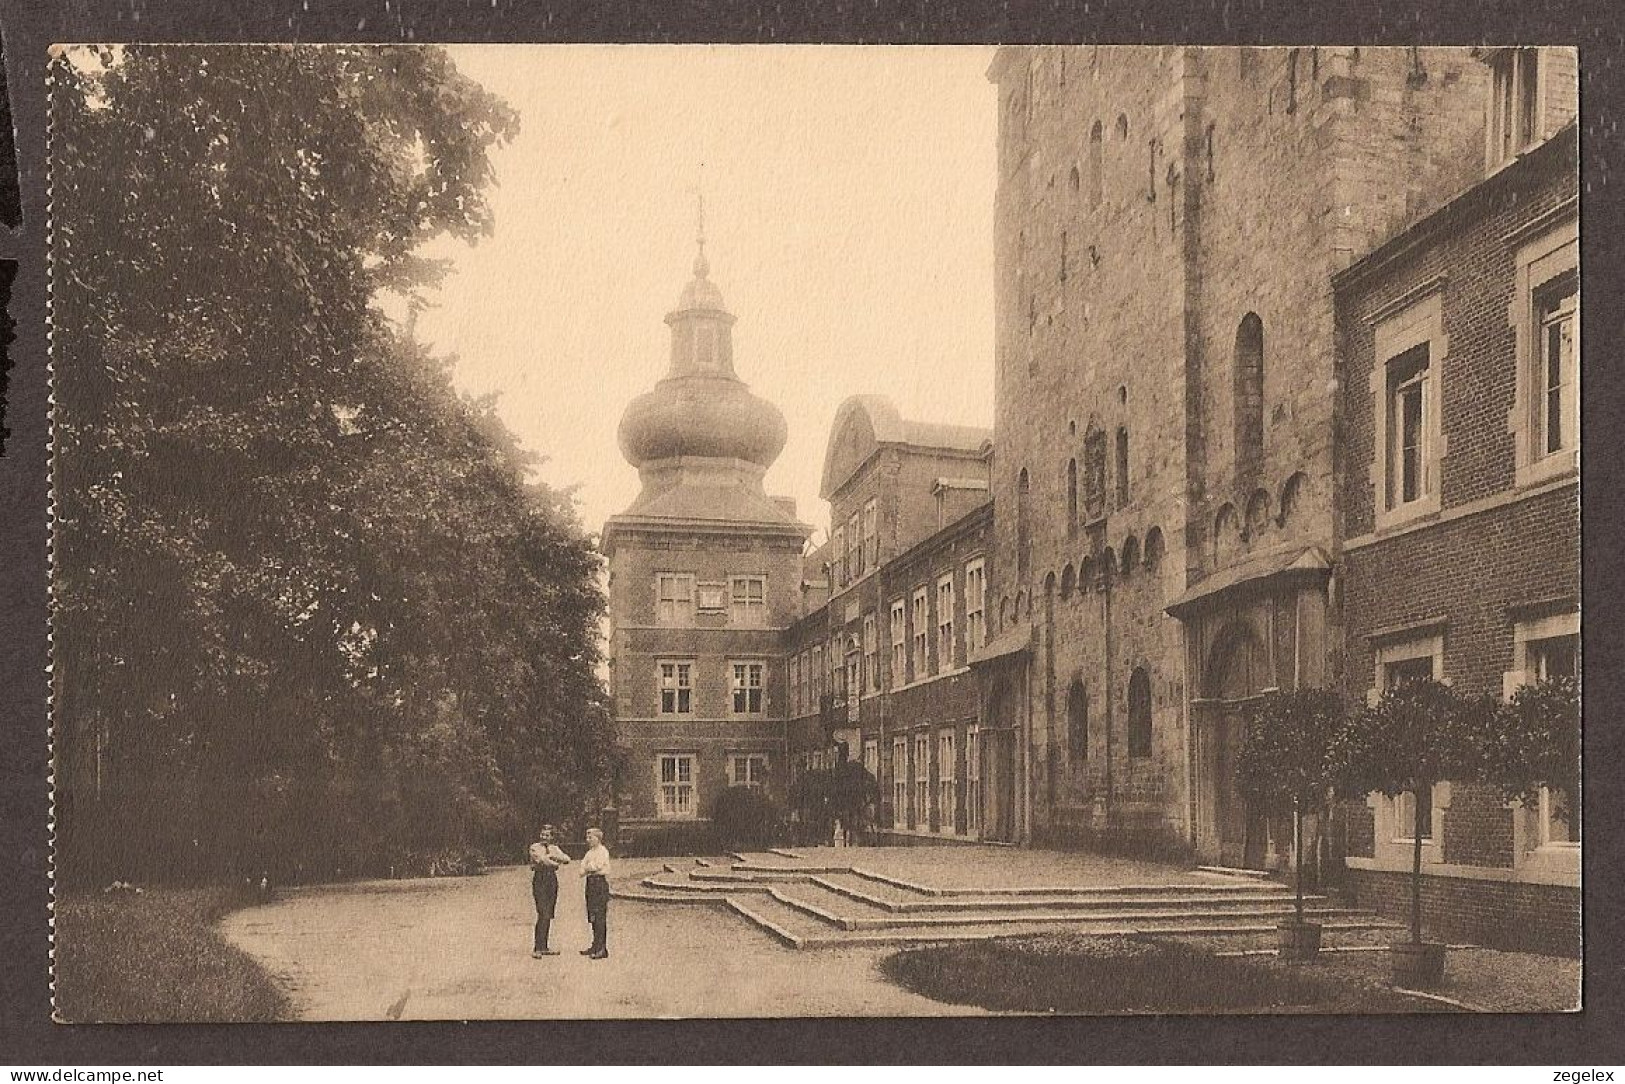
<point x="460" y="949"/>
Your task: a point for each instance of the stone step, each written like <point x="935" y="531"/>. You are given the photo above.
<point x="869" y="898"/>
<point x="1263" y="934"/>
<point x="883" y="887"/>
<point x="1206" y="917"/>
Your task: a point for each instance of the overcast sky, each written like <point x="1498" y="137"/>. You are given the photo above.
<point x="849" y="222"/>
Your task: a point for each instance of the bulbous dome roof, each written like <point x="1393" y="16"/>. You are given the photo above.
<point x="702" y="415"/>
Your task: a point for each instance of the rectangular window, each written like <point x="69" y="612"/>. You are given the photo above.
<point x="747" y="687"/>
<point x="748" y="599"/>
<point x="899" y="782"/>
<point x="947" y="794"/>
<point x="854" y="546"/>
<point x="871" y="758"/>
<point x="871" y="653"/>
<point x="975" y="605"/>
<point x="676" y="688"/>
<point x="945" y="623"/>
<point x="871" y="533"/>
<point x="748" y="770"/>
<point x="1515" y="113"/>
<point x="677" y="797"/>
<point x="920" y="622"/>
<point x="1410" y="442"/>
<point x="1405" y="671"/>
<point x="837" y="552"/>
<point x="922" y="782"/>
<point x="1405" y="814"/>
<point x="795" y="684"/>
<point x="973" y="781"/>
<point x="899" y="645"/>
<point x="816" y="677"/>
<point x="1558" y="314"/>
<point x="674" y="593"/>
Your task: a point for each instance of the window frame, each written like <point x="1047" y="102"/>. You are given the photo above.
<point x="667" y="807"/>
<point x="871" y="654"/>
<point x="922" y="781"/>
<point x="1388" y="656"/>
<point x="871" y="531"/>
<point x="945" y="623"/>
<point x="753" y="779"/>
<point x="899" y="781"/>
<point x="973" y="779"/>
<point x="899" y="643"/>
<point x="744" y="611"/>
<point x="1397" y="337"/>
<point x="975" y="604"/>
<point x="919" y="621"/>
<point x="1542" y="264"/>
<point x="682" y="670"/>
<point x="678" y="618"/>
<point x="741" y="684"/>
<point x="947" y="783"/>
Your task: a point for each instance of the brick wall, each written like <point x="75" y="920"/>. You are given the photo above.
<point x="1499" y="914"/>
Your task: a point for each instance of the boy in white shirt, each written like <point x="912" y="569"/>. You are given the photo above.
<point x="595" y="868"/>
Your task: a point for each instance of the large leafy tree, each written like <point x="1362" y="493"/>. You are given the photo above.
<point x="1536" y="743"/>
<point x="310" y="614"/>
<point x="1285" y="764"/>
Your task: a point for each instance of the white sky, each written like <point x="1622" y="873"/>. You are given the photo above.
<point x="849" y="222"/>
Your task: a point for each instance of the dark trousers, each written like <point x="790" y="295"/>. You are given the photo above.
<point x="544" y="889"/>
<point x="598" y="910"/>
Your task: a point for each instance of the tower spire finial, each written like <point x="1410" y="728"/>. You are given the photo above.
<point x="702" y="266"/>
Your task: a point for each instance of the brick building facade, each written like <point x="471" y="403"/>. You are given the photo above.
<point x="882" y="664"/>
<point x="1459" y="492"/>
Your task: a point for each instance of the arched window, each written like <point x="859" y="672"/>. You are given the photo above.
<point x="1077" y="723"/>
<point x="1258" y="513"/>
<point x="1023" y="541"/>
<point x="1153" y="549"/>
<point x="1249" y="396"/>
<point x="1226" y="534"/>
<point x="1068" y="582"/>
<point x="1086" y="574"/>
<point x="1122" y="126"/>
<point x="1071" y="496"/>
<point x="1074" y="180"/>
<point x="1139" y="713"/>
<point x="1122" y="467"/>
<point x="1131" y="554"/>
<point x="1095" y="166"/>
<point x="1291" y="495"/>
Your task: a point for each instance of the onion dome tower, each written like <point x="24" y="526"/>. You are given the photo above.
<point x="701" y="441"/>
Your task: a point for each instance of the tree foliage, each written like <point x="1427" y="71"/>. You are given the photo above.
<point x="310" y="615"/>
<point x="1286" y="758"/>
<point x="846" y="793"/>
<point x="1535" y="743"/>
<point x="1417" y="734"/>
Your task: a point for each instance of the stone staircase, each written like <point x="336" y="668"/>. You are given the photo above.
<point x="807" y="905"/>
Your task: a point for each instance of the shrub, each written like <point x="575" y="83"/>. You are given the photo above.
<point x="1076" y="973"/>
<point x="669" y="841"/>
<point x="745" y="817"/>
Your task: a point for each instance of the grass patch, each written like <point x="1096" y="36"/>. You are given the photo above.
<point x="1077" y="973"/>
<point x="157" y="957"/>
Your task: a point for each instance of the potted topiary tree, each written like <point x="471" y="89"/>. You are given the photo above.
<point x="1285" y="767"/>
<point x="1417" y="734"/>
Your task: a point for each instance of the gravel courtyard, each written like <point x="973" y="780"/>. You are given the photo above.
<point x="459" y="948"/>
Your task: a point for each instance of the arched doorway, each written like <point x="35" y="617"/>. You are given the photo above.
<point x="1237" y="672"/>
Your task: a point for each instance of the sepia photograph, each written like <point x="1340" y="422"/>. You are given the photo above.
<point x="566" y="532"/>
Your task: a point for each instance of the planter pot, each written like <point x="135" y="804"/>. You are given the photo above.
<point x="1417" y="965"/>
<point x="1299" y="941"/>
